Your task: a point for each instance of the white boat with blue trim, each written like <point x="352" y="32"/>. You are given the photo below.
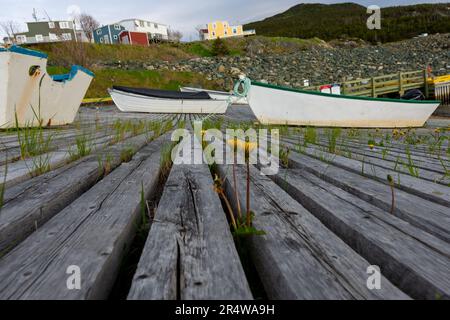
<point x="33" y="97"/>
<point x="286" y="106"/>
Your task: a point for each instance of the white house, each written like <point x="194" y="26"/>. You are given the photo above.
<point x="156" y="30"/>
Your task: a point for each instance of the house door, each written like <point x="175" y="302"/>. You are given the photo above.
<point x="106" y="39"/>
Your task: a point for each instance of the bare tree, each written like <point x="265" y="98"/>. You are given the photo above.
<point x="174" y="35"/>
<point x="200" y="28"/>
<point x="88" y="24"/>
<point x="10" y="28"/>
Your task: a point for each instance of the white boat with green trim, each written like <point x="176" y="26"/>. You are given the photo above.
<point x="286" y="106"/>
<point x="31" y="96"/>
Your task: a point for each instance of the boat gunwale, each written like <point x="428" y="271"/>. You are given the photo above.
<point x="163" y="99"/>
<point x="25" y="51"/>
<point x="275" y="87"/>
<point x="223" y="93"/>
<point x="60" y="78"/>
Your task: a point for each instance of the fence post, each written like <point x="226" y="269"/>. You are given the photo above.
<point x="425" y="79"/>
<point x="374" y="94"/>
<point x="400" y="84"/>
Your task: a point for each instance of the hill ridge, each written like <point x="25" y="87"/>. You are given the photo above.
<point x="348" y="20"/>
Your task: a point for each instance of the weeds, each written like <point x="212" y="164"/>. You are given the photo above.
<point x="332" y="136"/>
<point x="310" y="136"/>
<point x="391" y="184"/>
<point x="413" y="170"/>
<point x="39" y="165"/>
<point x="353" y="133"/>
<point x="218" y="188"/>
<point x="82" y="148"/>
<point x="166" y="159"/>
<point x="284" y="156"/>
<point x="104" y="165"/>
<point x="126" y="154"/>
<point x="245" y="224"/>
<point x="3" y="185"/>
<point x="32" y="140"/>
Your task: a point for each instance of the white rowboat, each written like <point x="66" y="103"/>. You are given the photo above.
<point x="218" y="95"/>
<point x="159" y="101"/>
<point x="28" y="92"/>
<point x="286" y="106"/>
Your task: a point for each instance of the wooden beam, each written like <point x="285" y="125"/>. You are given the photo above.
<point x="412" y="259"/>
<point x="298" y="257"/>
<point x="93" y="233"/>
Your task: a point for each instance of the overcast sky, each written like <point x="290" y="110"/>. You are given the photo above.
<point x="183" y="15"/>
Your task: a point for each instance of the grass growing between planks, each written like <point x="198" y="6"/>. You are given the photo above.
<point x="32" y="140"/>
<point x="82" y="148"/>
<point x="147" y="212"/>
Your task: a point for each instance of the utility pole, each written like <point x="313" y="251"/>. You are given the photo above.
<point x="35" y="15"/>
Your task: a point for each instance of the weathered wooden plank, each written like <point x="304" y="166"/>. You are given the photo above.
<point x="413" y="260"/>
<point x="190" y="253"/>
<point x="299" y="258"/>
<point x="388" y="160"/>
<point x="431" y="217"/>
<point x="426" y="189"/>
<point x="93" y="233"/>
<point x="30" y="204"/>
<point x="22" y="170"/>
<point x="400" y="165"/>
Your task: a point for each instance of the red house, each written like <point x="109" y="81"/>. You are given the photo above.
<point x="134" y="38"/>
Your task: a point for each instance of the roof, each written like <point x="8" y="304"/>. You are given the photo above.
<point x="134" y="19"/>
<point x="49" y="21"/>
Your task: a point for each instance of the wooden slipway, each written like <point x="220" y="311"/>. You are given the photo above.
<point x="326" y="216"/>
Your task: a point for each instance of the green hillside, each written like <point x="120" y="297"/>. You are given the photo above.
<point x="345" y="20"/>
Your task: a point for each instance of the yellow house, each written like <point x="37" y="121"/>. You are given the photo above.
<point x="222" y="29"/>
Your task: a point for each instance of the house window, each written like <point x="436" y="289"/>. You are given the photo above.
<point x="115" y="37"/>
<point x="234" y="30"/>
<point x="39" y="38"/>
<point x="53" y="37"/>
<point x="226" y="32"/>
<point x="214" y="34"/>
<point x="21" y="39"/>
<point x="141" y="23"/>
<point x="214" y="26"/>
<point x="67" y="36"/>
<point x="156" y="26"/>
<point x="149" y="24"/>
<point x="64" y="25"/>
<point x="51" y="25"/>
<point x="99" y="32"/>
<point x="101" y="40"/>
<point x="117" y="27"/>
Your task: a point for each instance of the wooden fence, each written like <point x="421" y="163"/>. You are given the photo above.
<point x="380" y="85"/>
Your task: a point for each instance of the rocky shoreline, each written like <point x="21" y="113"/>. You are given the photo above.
<point x="320" y="64"/>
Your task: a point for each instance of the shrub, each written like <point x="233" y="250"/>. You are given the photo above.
<point x="219" y="48"/>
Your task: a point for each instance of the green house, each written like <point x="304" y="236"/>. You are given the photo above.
<point x="47" y="31"/>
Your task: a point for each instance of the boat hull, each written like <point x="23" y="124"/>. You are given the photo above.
<point x="37" y="99"/>
<point x="128" y="102"/>
<point x="281" y="106"/>
<point x="218" y="95"/>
